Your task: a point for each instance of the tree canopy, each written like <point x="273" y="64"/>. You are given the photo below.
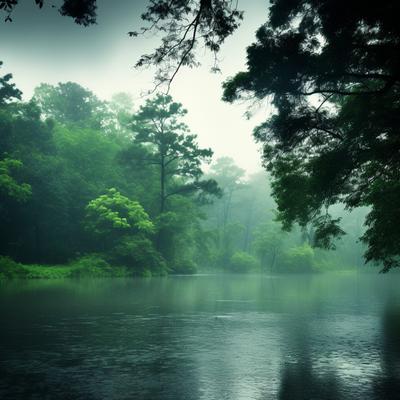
<point x="8" y="90"/>
<point x="164" y="141"/>
<point x="330" y="69"/>
<point x="331" y="72"/>
<point x="112" y="211"/>
<point x="82" y="11"/>
<point x="68" y="103"/>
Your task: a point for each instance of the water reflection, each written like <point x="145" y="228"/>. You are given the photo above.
<point x="300" y="379"/>
<point x="208" y="338"/>
<point x="387" y="382"/>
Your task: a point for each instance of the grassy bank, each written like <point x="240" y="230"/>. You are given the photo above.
<point x="88" y="266"/>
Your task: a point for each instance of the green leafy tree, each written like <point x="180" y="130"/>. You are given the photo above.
<point x="268" y="244"/>
<point x="230" y="178"/>
<point x="164" y="141"/>
<point x="8" y="185"/>
<point x="221" y="213"/>
<point x="113" y="212"/>
<point x="119" y="110"/>
<point x="178" y="234"/>
<point x="235" y="216"/>
<point x="69" y="103"/>
<point x="26" y="152"/>
<point x="331" y="70"/>
<point x="8" y="90"/>
<point x="124" y="228"/>
<point x="298" y="259"/>
<point x="243" y="262"/>
<point x="139" y="252"/>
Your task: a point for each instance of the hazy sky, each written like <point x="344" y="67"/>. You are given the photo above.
<point x="41" y="46"/>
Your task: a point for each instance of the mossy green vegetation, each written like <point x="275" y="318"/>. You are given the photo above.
<point x="92" y="188"/>
<point x="90" y="266"/>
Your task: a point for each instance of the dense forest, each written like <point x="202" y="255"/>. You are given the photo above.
<point x="106" y="188"/>
<point x="197" y="197"/>
<point x="128" y="185"/>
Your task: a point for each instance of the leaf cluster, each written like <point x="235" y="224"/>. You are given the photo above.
<point x="330" y="70"/>
<point x="115" y="212"/>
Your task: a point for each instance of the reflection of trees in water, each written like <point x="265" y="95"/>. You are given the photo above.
<point x="299" y="378"/>
<point x="168" y="372"/>
<point x="299" y="381"/>
<point x="387" y="385"/>
<point x="90" y="347"/>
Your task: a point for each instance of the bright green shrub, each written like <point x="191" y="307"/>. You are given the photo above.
<point x="298" y="259"/>
<point x="93" y="266"/>
<point x="111" y="213"/>
<point x="35" y="271"/>
<point x="243" y="262"/>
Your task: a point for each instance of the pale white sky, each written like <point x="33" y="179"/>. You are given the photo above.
<point x="40" y="46"/>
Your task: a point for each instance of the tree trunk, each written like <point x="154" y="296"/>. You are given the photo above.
<point x="162" y="185"/>
<point x="159" y="241"/>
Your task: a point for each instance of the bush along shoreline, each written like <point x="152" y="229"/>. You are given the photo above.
<point x="90" y="266"/>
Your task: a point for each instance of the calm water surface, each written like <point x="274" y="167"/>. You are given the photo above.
<point x="202" y="337"/>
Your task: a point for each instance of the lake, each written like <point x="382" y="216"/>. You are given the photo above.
<point x="327" y="336"/>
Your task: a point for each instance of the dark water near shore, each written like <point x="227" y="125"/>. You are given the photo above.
<point x="202" y="337"/>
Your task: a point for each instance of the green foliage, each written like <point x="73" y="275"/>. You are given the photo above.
<point x="334" y="85"/>
<point x="8" y="185"/>
<point x="70" y="161"/>
<point x="268" y="244"/>
<point x="174" y="233"/>
<point x="233" y="220"/>
<point x="8" y="90"/>
<point x="69" y="103"/>
<point x="94" y="266"/>
<point x="165" y="142"/>
<point x="162" y="143"/>
<point x="184" y="267"/>
<point x="69" y="166"/>
<point x="228" y="175"/>
<point x="382" y="234"/>
<point x="138" y="254"/>
<point x="113" y="212"/>
<point x="243" y="262"/>
<point x="41" y="271"/>
<point x="180" y="234"/>
<point x="298" y="259"/>
<point x="124" y="224"/>
<point x="9" y="269"/>
<point x="89" y="266"/>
